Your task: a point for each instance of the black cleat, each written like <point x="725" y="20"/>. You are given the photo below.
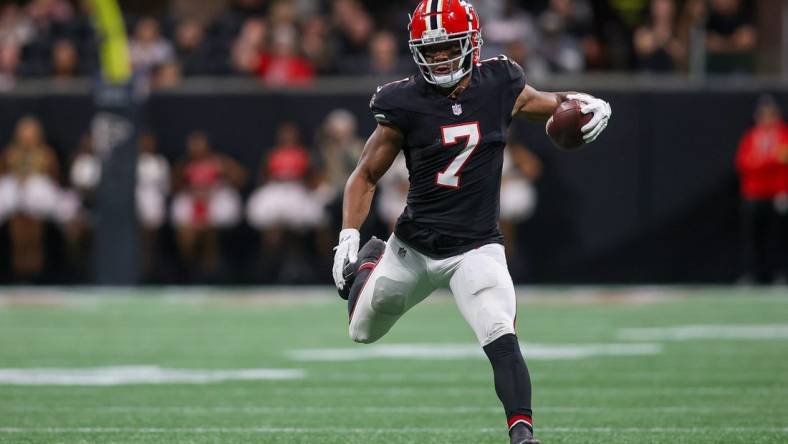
<point x="371" y="252"/>
<point x="521" y="434"/>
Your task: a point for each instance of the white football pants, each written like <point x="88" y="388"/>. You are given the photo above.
<point x="478" y="279"/>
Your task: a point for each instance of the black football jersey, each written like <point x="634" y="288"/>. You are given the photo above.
<point x="454" y="154"/>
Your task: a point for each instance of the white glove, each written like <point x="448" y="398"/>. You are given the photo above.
<point x="601" y="111"/>
<point x="346" y="249"/>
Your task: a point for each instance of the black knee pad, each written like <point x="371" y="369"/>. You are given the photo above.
<point x="505" y="347"/>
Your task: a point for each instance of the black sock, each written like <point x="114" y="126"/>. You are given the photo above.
<point x="512" y="381"/>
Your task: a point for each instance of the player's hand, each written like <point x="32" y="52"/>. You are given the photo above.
<point x="347" y="249"/>
<point x="601" y="114"/>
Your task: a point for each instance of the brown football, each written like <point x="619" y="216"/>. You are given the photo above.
<point x="564" y="127"/>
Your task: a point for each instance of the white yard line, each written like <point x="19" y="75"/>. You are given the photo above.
<point x="402" y="409"/>
<point x="715" y="332"/>
<point x="125" y="375"/>
<point x="341" y="430"/>
<point x="471" y="351"/>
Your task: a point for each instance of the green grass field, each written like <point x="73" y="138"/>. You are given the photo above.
<point x="649" y="365"/>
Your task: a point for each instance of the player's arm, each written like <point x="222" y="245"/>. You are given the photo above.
<point x="539" y="105"/>
<point x="379" y="153"/>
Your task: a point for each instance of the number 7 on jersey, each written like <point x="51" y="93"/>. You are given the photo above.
<point x="450" y="177"/>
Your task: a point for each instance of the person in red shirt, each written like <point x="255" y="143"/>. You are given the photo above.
<point x="285" y="207"/>
<point x="762" y="164"/>
<point x="206" y="201"/>
<point x="283" y="65"/>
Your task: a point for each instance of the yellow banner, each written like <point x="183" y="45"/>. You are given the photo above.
<point x="113" y="46"/>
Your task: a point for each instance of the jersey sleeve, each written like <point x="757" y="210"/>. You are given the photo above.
<point x="515" y="76"/>
<point x="385" y="109"/>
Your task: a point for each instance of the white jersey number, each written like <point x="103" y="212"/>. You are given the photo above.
<point x="450" y="177"/>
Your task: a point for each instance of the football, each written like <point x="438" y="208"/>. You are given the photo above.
<point x="564" y="125"/>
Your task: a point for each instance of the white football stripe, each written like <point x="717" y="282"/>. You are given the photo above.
<point x="471" y="351"/>
<point x="690" y="332"/>
<point x="427" y="9"/>
<point x="138" y="375"/>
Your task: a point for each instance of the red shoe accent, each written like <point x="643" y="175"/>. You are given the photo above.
<point x="520" y="418"/>
<point x="365" y="266"/>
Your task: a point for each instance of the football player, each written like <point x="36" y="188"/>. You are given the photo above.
<point x="451" y="122"/>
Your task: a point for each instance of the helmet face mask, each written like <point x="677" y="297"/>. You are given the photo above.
<point x="445" y="40"/>
<point x="444" y="62"/>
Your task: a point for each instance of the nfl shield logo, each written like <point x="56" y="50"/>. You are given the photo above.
<point x="456" y="109"/>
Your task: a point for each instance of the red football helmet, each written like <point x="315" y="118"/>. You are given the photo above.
<point x="436" y="24"/>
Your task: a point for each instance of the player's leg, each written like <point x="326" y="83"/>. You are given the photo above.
<point x="384" y="290"/>
<point x="485" y="296"/>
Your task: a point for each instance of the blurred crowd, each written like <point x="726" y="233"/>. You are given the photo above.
<point x="291" y="42"/>
<point x="197" y="203"/>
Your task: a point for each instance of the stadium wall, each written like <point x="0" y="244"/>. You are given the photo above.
<point x="654" y="200"/>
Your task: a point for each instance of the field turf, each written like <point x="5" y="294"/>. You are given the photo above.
<point x="620" y="365"/>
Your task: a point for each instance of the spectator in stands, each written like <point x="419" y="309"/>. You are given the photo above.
<point x="28" y="195"/>
<point x="521" y="169"/>
<point x="314" y="44"/>
<point x="84" y="176"/>
<point x="354" y="28"/>
<point x="691" y="30"/>
<point x="165" y="76"/>
<point x="206" y="200"/>
<point x="85" y="170"/>
<point x="191" y="48"/>
<point x="245" y="52"/>
<point x="16" y="31"/>
<point x="558" y="46"/>
<point x="526" y="56"/>
<point x="207" y="12"/>
<point x="285" y="208"/>
<point x="153" y="186"/>
<point x="762" y="164"/>
<point x="9" y="62"/>
<point x="730" y="37"/>
<point x="618" y="20"/>
<point x="283" y="65"/>
<point x="16" y="27"/>
<point x="657" y="44"/>
<point x="576" y="18"/>
<point x="45" y="12"/>
<point x="384" y="59"/>
<point x="148" y="49"/>
<point x="65" y="61"/>
<point x="282" y="14"/>
<point x="339" y="147"/>
<point x="511" y="23"/>
<point x="153" y="183"/>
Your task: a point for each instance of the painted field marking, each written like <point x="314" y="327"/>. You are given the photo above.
<point x="717" y="332"/>
<point x="471" y="351"/>
<point x="372" y="410"/>
<point x="404" y="430"/>
<point x="125" y="375"/>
